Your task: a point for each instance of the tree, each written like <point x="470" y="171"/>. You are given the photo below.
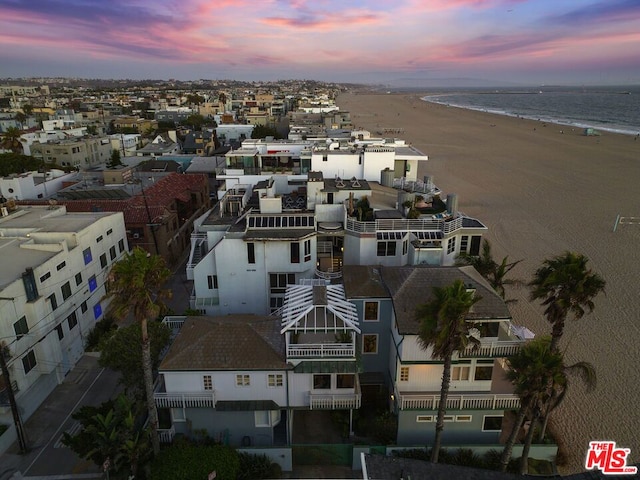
<point x="121" y="352"/>
<point x="109" y="432"/>
<point x="135" y="285"/>
<point x="565" y="285"/>
<point x="262" y="131"/>
<point x="443" y="327"/>
<point x="195" y="99"/>
<point x="195" y="121"/>
<point x="21" y="118"/>
<point x="538" y="374"/>
<point x="486" y="266"/>
<point x="27" y="109"/>
<point x="114" y="161"/>
<point x="11" y="140"/>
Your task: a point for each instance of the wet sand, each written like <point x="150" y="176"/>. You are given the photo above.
<point x="543" y="189"/>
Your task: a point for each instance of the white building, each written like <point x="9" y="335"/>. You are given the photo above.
<point x="33" y="185"/>
<point x="54" y="266"/>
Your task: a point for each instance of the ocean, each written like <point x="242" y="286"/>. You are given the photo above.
<point x="613" y="109"/>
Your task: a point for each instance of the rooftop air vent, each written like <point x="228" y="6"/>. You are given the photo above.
<point x="339" y="182"/>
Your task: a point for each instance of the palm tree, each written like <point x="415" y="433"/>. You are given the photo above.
<point x="135" y="285"/>
<point x="565" y="285"/>
<point x="538" y="374"/>
<point x="443" y="327"/>
<point x="11" y="140"/>
<point x="486" y="266"/>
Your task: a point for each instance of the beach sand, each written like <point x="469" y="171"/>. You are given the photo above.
<point x="542" y="190"/>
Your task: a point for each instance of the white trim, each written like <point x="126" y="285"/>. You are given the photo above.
<point x="467" y="418"/>
<point x="484" y="417"/>
<point x="377" y="343"/>
<point x="424" y="418"/>
<point x="175" y="419"/>
<point x="364" y="311"/>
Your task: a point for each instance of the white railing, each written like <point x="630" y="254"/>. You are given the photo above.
<point x="324" y="247"/>
<point x="174" y="322"/>
<point x="459" y="402"/>
<point x="321" y="350"/>
<point x="417" y="186"/>
<point x="184" y="399"/>
<point x="406" y="225"/>
<point x="166" y="435"/>
<point x="328" y="275"/>
<point x="493" y="349"/>
<point x="334" y="402"/>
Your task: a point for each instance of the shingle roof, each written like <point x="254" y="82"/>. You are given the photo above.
<point x="235" y="342"/>
<point x="363" y="281"/>
<point x="412" y="286"/>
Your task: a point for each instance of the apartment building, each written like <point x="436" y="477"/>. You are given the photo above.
<point x="81" y="153"/>
<point x="54" y="267"/>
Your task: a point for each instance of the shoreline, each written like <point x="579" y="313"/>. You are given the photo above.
<point x="542" y="192"/>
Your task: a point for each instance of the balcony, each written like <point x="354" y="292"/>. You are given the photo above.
<point x="416" y="225"/>
<point x="166" y="435"/>
<point x="495" y="349"/>
<point x="321" y="350"/>
<point x="184" y="399"/>
<point x="472" y="401"/>
<point x="336" y="401"/>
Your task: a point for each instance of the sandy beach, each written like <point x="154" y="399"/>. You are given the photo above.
<point x="543" y="189"/>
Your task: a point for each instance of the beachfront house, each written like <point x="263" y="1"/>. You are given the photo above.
<point x="245" y="379"/>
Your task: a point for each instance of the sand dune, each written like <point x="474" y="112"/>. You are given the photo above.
<point x="541" y="190"/>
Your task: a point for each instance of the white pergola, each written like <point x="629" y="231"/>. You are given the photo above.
<point x="318" y="308"/>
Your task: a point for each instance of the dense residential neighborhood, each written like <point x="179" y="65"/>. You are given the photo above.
<point x="308" y="247"/>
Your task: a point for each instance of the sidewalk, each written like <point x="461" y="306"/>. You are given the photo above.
<point x="86" y="384"/>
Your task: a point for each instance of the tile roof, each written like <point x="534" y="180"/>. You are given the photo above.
<point x="234" y="342"/>
<point x="411" y="286"/>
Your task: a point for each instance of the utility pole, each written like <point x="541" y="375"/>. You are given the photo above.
<point x="12" y="401"/>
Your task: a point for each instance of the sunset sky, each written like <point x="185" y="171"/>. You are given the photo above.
<point x="524" y="41"/>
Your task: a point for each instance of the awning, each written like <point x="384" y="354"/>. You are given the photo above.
<point x="246" y="405"/>
<point x="326" y="367"/>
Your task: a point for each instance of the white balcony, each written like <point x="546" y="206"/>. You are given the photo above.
<point x="321" y="350"/>
<point x="471" y="401"/>
<point x="334" y="401"/>
<point x="184" y="399"/>
<point x="492" y="349"/>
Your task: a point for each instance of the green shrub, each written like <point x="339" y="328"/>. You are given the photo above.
<point x="465" y="457"/>
<point x="103" y="329"/>
<point x="385" y="428"/>
<point x="188" y="462"/>
<point x="256" y="467"/>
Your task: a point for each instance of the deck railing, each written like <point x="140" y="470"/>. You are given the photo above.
<point x="334" y="402"/>
<point x="184" y="399"/>
<point x="166" y="435"/>
<point x="493" y="349"/>
<point x="406" y="225"/>
<point x="474" y="401"/>
<point x="321" y="350"/>
<point x="328" y="275"/>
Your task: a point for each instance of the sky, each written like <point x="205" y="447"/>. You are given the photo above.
<point x="529" y="42"/>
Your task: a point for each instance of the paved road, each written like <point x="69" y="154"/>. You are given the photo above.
<point x="86" y="384"/>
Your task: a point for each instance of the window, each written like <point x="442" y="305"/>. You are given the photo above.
<point x="54" y="302"/>
<point x="29" y="361"/>
<point x="370" y="311"/>
<point x="251" y="252"/>
<point x="178" y="415"/>
<point x="345" y="380"/>
<point x="97" y="310"/>
<point x="72" y="320"/>
<point x="112" y="253"/>
<point x="83" y="307"/>
<point x="278" y="281"/>
<point x="322" y="381"/>
<point x="463" y="418"/>
<point x="464" y="242"/>
<point x="491" y="423"/>
<point x="295" y="252"/>
<point x="483" y="371"/>
<point x="60" y="266"/>
<point x="424" y="418"/>
<point x="475" y="245"/>
<point x="21" y="328"/>
<point x="404" y="374"/>
<point x="275" y="380"/>
<point x="60" y="331"/>
<point x="121" y="245"/>
<point x="460" y="372"/>
<point x="66" y="291"/>
<point x="29" y="282"/>
<point x="93" y="284"/>
<point x="243" y="380"/>
<point x="451" y="245"/>
<point x="307" y="250"/>
<point x="207" y="382"/>
<point x="386" y="249"/>
<point x="103" y="260"/>
<point x="86" y="254"/>
<point x="78" y="279"/>
<point x="45" y="276"/>
<point x="99" y="239"/>
<point x="405" y="247"/>
<point x="212" y="281"/>
<point x="449" y="418"/>
<point x="369" y="343"/>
